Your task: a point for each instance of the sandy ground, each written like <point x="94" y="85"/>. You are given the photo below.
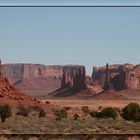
<point x="93" y="104"/>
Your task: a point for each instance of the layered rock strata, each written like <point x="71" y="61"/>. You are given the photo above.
<point x="8" y="92"/>
<point x="35" y="77"/>
<point x="121" y="77"/>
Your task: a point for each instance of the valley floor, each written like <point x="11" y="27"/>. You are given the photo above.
<point x="92" y="104"/>
<point x="85" y="125"/>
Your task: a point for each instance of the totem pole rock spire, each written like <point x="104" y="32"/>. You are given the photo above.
<point x="63" y="80"/>
<point x="107" y="85"/>
<point x="0" y="69"/>
<point x="107" y="74"/>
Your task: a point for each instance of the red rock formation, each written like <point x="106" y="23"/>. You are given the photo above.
<point x="81" y="79"/>
<point x="125" y="76"/>
<point x="65" y="81"/>
<point x="98" y="74"/>
<point x="41" y="78"/>
<point x="119" y="81"/>
<point x="20" y="72"/>
<point x="74" y="79"/>
<point x="107" y="84"/>
<point x="89" y="80"/>
<point x="73" y="84"/>
<point x="8" y="92"/>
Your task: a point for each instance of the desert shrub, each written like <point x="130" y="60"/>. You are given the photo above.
<point x="105" y="113"/>
<point x="131" y="112"/>
<point x="93" y="113"/>
<point x="60" y="113"/>
<point x="64" y="113"/>
<point x="22" y="110"/>
<point x="99" y="115"/>
<point x="58" y="117"/>
<point x="76" y="116"/>
<point x="85" y="110"/>
<point x="100" y="108"/>
<point x="5" y="112"/>
<point x="108" y="112"/>
<point x="67" y="108"/>
<point x="42" y="113"/>
<point x="35" y="108"/>
<point x="47" y="102"/>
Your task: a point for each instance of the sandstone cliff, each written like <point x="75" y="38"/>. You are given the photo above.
<point x="9" y="94"/>
<point x="41" y="78"/>
<point x="75" y="79"/>
<point x="121" y="77"/>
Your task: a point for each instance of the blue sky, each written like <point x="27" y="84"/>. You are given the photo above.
<point x="86" y="36"/>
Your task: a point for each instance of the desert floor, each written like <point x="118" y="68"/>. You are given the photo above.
<point x="83" y="125"/>
<point x="92" y="104"/>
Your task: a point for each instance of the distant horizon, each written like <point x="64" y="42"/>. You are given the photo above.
<point x="88" y="74"/>
<point x="61" y="36"/>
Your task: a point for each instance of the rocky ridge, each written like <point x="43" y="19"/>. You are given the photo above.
<point x="70" y="80"/>
<point x="73" y="85"/>
<point x="121" y="77"/>
<point x="8" y="92"/>
<point x="36" y="77"/>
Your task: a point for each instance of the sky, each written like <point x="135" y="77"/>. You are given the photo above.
<point x="58" y="36"/>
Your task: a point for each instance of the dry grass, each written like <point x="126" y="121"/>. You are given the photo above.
<point x="85" y="125"/>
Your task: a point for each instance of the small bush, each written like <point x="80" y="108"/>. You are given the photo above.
<point x="76" y="116"/>
<point x="23" y="111"/>
<point x="93" y="114"/>
<point x="35" y="108"/>
<point x="42" y="113"/>
<point x="105" y="113"/>
<point x="100" y="108"/>
<point x="85" y="110"/>
<point x="5" y="112"/>
<point x="108" y="113"/>
<point x="131" y="112"/>
<point x="60" y="114"/>
<point x="47" y="102"/>
<point x="64" y="113"/>
<point x="67" y="108"/>
<point x="100" y="115"/>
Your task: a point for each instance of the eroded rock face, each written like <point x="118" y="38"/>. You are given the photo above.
<point x="7" y="91"/>
<point x="20" y="72"/>
<point x="121" y="76"/>
<point x="99" y="73"/>
<point x="75" y="78"/>
<point x="33" y="76"/>
<point x="89" y="80"/>
<point x="42" y="77"/>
